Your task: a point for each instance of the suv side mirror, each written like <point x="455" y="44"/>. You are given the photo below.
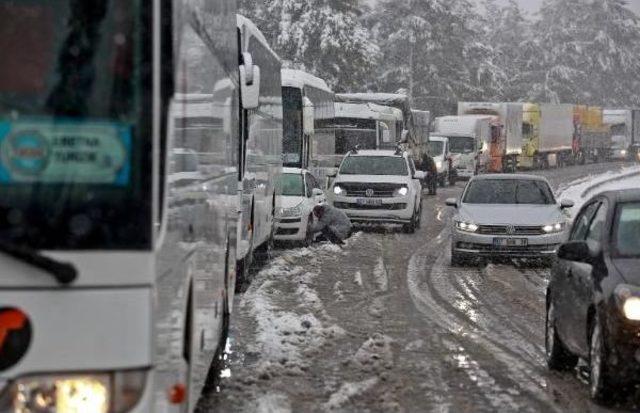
<point x="579" y="251"/>
<point x="419" y="175"/>
<point x="249" y="83"/>
<point x="452" y="202"/>
<point x="404" y="138"/>
<point x="566" y="204"/>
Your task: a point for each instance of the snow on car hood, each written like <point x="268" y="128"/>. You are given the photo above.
<point x="387" y="179"/>
<point x="493" y="214"/>
<point x="290" y="201"/>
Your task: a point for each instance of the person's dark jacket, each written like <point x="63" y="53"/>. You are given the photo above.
<point x="336" y="220"/>
<point x="428" y="164"/>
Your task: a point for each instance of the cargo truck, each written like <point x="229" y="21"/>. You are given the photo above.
<point x="469" y="139"/>
<point x="624" y="126"/>
<point x="592" y="139"/>
<point x="547" y="133"/>
<point x="506" y="146"/>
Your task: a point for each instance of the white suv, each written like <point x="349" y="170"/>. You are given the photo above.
<point x="379" y="186"/>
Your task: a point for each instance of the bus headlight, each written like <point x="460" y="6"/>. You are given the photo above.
<point x="76" y="393"/>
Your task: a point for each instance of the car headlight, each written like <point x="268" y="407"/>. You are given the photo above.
<point x="403" y="191"/>
<point x="466" y="226"/>
<point x="338" y="190"/>
<point x="628" y="300"/>
<point x="553" y="228"/>
<point x="75" y="393"/>
<point x="439" y="165"/>
<point x="623" y="152"/>
<point x="296" y="211"/>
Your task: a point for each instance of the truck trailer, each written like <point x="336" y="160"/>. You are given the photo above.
<point x="547" y="133"/>
<point x="592" y="141"/>
<point x="506" y="146"/>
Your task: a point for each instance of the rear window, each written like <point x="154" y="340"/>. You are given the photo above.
<point x="509" y="191"/>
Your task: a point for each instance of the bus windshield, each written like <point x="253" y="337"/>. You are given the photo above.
<point x="75" y="125"/>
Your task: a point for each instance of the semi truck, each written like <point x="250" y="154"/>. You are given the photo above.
<point x="506" y="146"/>
<point x="469" y="140"/>
<point x="592" y="140"/>
<point x="624" y="125"/>
<point x="547" y="133"/>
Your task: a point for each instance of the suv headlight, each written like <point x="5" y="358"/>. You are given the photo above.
<point x="553" y="228"/>
<point x="115" y="392"/>
<point x="338" y="190"/>
<point x="402" y="191"/>
<point x="296" y="211"/>
<point x="628" y="301"/>
<point x="466" y="226"/>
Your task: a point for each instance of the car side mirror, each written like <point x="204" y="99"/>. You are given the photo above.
<point x="249" y="83"/>
<point x="317" y="192"/>
<point x="452" y="202"/>
<point x="580" y="251"/>
<point x="566" y="204"/>
<point x="419" y="175"/>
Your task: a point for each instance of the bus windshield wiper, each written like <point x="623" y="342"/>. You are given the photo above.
<point x="63" y="272"/>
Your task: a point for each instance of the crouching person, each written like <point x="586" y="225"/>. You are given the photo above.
<point x="334" y="224"/>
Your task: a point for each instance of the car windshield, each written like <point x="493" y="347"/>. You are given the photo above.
<point x="292" y="185"/>
<point x="374" y="165"/>
<point x="436" y="148"/>
<point x="627" y="230"/>
<point x="461" y="145"/>
<point x="509" y="191"/>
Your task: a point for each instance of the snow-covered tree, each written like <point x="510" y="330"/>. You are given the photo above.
<point x="324" y="37"/>
<point x="589" y="52"/>
<point x="433" y="48"/>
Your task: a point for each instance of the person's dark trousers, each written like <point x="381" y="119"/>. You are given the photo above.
<point x="329" y="235"/>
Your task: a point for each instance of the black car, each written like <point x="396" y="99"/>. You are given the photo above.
<point x="593" y="299"/>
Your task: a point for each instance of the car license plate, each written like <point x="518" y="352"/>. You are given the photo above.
<point x="510" y="242"/>
<point x="374" y="202"/>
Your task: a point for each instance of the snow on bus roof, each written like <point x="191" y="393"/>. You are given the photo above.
<point x="246" y="25"/>
<point x="299" y="79"/>
<point x="387" y="99"/>
<point x="365" y="111"/>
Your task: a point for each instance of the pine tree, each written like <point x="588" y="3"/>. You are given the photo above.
<point x="324" y="37"/>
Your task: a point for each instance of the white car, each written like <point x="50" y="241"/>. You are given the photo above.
<point x="439" y="150"/>
<point x="299" y="193"/>
<point x="379" y="186"/>
<point x="507" y="215"/>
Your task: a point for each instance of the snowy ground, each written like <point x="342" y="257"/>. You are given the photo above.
<point x="385" y="324"/>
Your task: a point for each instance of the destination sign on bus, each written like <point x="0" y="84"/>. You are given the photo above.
<point x="64" y="151"/>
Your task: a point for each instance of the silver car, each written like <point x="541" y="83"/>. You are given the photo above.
<point x="507" y="215"/>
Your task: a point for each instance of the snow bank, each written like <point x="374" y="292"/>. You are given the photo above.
<point x="348" y="391"/>
<point x="583" y="189"/>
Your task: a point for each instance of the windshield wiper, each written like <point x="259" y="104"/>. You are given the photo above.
<point x="63" y="272"/>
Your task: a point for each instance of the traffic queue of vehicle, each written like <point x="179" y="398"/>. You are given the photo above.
<point x="197" y="166"/>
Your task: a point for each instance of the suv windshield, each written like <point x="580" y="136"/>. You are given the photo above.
<point x="509" y="191"/>
<point x="292" y="185"/>
<point x="627" y="241"/>
<point x="374" y="165"/>
<point x="74" y="125"/>
<point x="458" y="144"/>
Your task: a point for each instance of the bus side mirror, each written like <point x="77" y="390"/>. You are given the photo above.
<point x="404" y="138"/>
<point x="308" y="117"/>
<point x="249" y="83"/>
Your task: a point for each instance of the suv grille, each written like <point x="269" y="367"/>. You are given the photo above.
<point x="359" y="190"/>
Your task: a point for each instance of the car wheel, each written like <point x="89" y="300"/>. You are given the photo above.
<point x="601" y="385"/>
<point x="558" y="357"/>
<point x="308" y="238"/>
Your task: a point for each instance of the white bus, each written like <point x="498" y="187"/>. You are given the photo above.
<point x="309" y="138"/>
<point x="260" y="151"/>
<point x="119" y="207"/>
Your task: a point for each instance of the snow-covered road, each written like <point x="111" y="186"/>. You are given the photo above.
<point x="385" y="324"/>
